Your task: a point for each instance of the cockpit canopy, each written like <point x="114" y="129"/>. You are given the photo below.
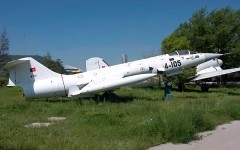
<point x="182" y="52"/>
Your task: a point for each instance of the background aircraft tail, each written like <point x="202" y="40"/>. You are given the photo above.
<point x="95" y="63"/>
<point x="26" y="71"/>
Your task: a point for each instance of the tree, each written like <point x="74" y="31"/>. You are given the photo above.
<point x="217" y="31"/>
<point x="54" y="65"/>
<point x="4" y="48"/>
<point x="173" y="43"/>
<point x="4" y="58"/>
<point x="225" y="27"/>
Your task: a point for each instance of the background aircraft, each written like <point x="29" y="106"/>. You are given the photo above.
<point x="210" y="69"/>
<point x="38" y="81"/>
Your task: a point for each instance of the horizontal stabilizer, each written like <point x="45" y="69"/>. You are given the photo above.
<point x="216" y="73"/>
<point x="14" y="63"/>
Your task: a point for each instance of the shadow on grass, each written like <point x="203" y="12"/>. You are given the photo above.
<point x="233" y="93"/>
<point x="51" y="100"/>
<point x="113" y="99"/>
<point x="188" y="90"/>
<point x="97" y="99"/>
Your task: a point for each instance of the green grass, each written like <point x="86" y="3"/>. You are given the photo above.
<point x="140" y="121"/>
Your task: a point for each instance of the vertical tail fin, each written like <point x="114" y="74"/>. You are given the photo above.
<point x="95" y="63"/>
<point x="27" y="70"/>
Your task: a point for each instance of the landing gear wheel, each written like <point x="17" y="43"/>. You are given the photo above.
<point x="109" y="96"/>
<point x="205" y="88"/>
<point x="169" y="83"/>
<point x="181" y="87"/>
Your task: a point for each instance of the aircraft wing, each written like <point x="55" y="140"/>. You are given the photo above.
<point x="76" y="89"/>
<point x="214" y="74"/>
<point x="105" y="84"/>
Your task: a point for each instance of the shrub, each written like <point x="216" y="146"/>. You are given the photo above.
<point x="3" y="81"/>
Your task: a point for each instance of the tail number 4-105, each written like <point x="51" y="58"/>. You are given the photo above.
<point x="173" y="64"/>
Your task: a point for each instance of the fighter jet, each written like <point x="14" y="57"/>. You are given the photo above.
<point x="204" y="72"/>
<point x="38" y="81"/>
<point x="210" y="69"/>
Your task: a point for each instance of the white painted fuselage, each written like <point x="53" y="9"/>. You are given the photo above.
<point x="38" y="81"/>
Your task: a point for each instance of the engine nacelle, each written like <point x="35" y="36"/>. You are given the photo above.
<point x="209" y="64"/>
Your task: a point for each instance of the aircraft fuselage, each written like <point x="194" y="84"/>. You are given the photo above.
<point x="42" y="82"/>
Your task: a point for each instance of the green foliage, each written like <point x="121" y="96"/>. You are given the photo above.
<point x="4" y="48"/>
<point x="173" y="43"/>
<point x="141" y="121"/>
<point x="3" y="81"/>
<point x="217" y="31"/>
<point x="233" y="57"/>
<point x="54" y="65"/>
<point x="183" y="78"/>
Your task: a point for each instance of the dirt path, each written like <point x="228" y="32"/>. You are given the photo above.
<point x="224" y="137"/>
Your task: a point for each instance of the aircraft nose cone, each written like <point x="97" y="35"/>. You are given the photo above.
<point x="210" y="56"/>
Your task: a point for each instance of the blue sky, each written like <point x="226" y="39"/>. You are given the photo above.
<point x="75" y="30"/>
